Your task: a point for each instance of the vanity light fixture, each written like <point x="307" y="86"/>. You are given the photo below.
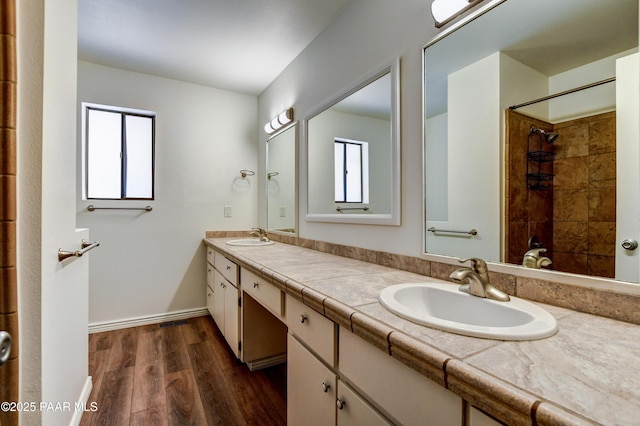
<point x="444" y="11"/>
<point x="280" y="121"/>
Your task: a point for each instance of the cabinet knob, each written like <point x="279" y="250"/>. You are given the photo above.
<point x="208" y="269"/>
<point x="325" y="387"/>
<point x="222" y="285"/>
<point x="303" y="318"/>
<point x="340" y="403"/>
<point x="228" y="268"/>
<point x="255" y="285"/>
<point x="209" y="294"/>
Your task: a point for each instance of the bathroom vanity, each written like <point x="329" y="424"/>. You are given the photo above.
<point x="350" y="358"/>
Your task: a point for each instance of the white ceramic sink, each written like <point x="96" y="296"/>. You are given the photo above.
<point x="443" y="306"/>
<point x="249" y="242"/>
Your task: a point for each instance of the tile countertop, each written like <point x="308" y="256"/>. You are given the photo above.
<point x="588" y="373"/>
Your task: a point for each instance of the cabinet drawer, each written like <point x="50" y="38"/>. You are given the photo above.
<point x="400" y="391"/>
<point x="211" y="256"/>
<point x="316" y="331"/>
<point x="262" y="291"/>
<point x="226" y="267"/>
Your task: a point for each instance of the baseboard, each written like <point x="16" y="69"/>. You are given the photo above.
<point x="83" y="402"/>
<point x="146" y="320"/>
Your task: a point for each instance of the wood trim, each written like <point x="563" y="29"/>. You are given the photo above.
<point x="9" y="390"/>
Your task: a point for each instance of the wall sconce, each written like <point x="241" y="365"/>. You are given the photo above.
<point x="444" y="11"/>
<point x="280" y="121"/>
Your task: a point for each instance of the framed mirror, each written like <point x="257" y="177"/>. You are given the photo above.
<point x="531" y="138"/>
<point x="353" y="153"/>
<point x="281" y="180"/>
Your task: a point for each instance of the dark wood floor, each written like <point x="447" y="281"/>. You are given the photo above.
<point x="179" y="375"/>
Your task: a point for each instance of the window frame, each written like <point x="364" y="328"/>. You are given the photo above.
<point x="364" y="173"/>
<point x="123" y="112"/>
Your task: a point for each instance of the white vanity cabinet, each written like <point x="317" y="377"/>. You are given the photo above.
<point x="404" y="394"/>
<point x="223" y="297"/>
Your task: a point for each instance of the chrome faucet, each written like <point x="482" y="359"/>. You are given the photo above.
<point x="477" y="280"/>
<point x="532" y="259"/>
<point x="261" y="233"/>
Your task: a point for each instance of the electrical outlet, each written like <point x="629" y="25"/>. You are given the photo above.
<point x="227" y="211"/>
<point x="283" y="211"/>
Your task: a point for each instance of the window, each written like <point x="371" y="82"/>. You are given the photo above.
<point x="351" y="171"/>
<point x="118" y="153"/>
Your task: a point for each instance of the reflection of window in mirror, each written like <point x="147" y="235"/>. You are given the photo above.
<point x="351" y="171"/>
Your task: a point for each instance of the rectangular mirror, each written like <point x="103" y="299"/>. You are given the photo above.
<point x="493" y="162"/>
<point x="353" y="153"/>
<point x="281" y="180"/>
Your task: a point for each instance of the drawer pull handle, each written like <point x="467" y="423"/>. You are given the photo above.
<point x="228" y="267"/>
<point x="325" y="387"/>
<point x="303" y="318"/>
<point x="255" y="285"/>
<point x="340" y="404"/>
<point x="222" y="285"/>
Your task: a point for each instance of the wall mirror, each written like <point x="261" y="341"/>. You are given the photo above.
<point x="281" y="180"/>
<point x="353" y="153"/>
<point x="508" y="164"/>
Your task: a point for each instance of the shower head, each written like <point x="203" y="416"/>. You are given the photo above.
<point x="548" y="136"/>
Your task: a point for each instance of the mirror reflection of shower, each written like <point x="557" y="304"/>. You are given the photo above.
<point x="562" y="191"/>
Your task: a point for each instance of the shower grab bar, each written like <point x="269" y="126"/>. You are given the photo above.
<point x="86" y="246"/>
<point x="566" y="92"/>
<point x="352" y="208"/>
<point x="471" y="232"/>
<point x="91" y="208"/>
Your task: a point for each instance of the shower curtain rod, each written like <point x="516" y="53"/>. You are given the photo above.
<point x="566" y="92"/>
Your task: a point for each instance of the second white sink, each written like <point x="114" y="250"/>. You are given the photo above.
<point x="442" y="306"/>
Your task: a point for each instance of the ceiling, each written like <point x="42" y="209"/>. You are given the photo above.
<point x="236" y="45"/>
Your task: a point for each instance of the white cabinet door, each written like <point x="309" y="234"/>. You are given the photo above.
<point x="353" y="410"/>
<point x="219" y="284"/>
<point x="210" y="300"/>
<point x="311" y="388"/>
<point x="232" y="318"/>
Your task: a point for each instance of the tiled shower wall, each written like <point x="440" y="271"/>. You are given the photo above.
<point x="584" y="196"/>
<point x="528" y="212"/>
<point x="575" y="219"/>
<point x="8" y="211"/>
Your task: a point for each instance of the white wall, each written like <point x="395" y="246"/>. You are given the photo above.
<point x="154" y="263"/>
<point x="368" y="34"/>
<point x="587" y="102"/>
